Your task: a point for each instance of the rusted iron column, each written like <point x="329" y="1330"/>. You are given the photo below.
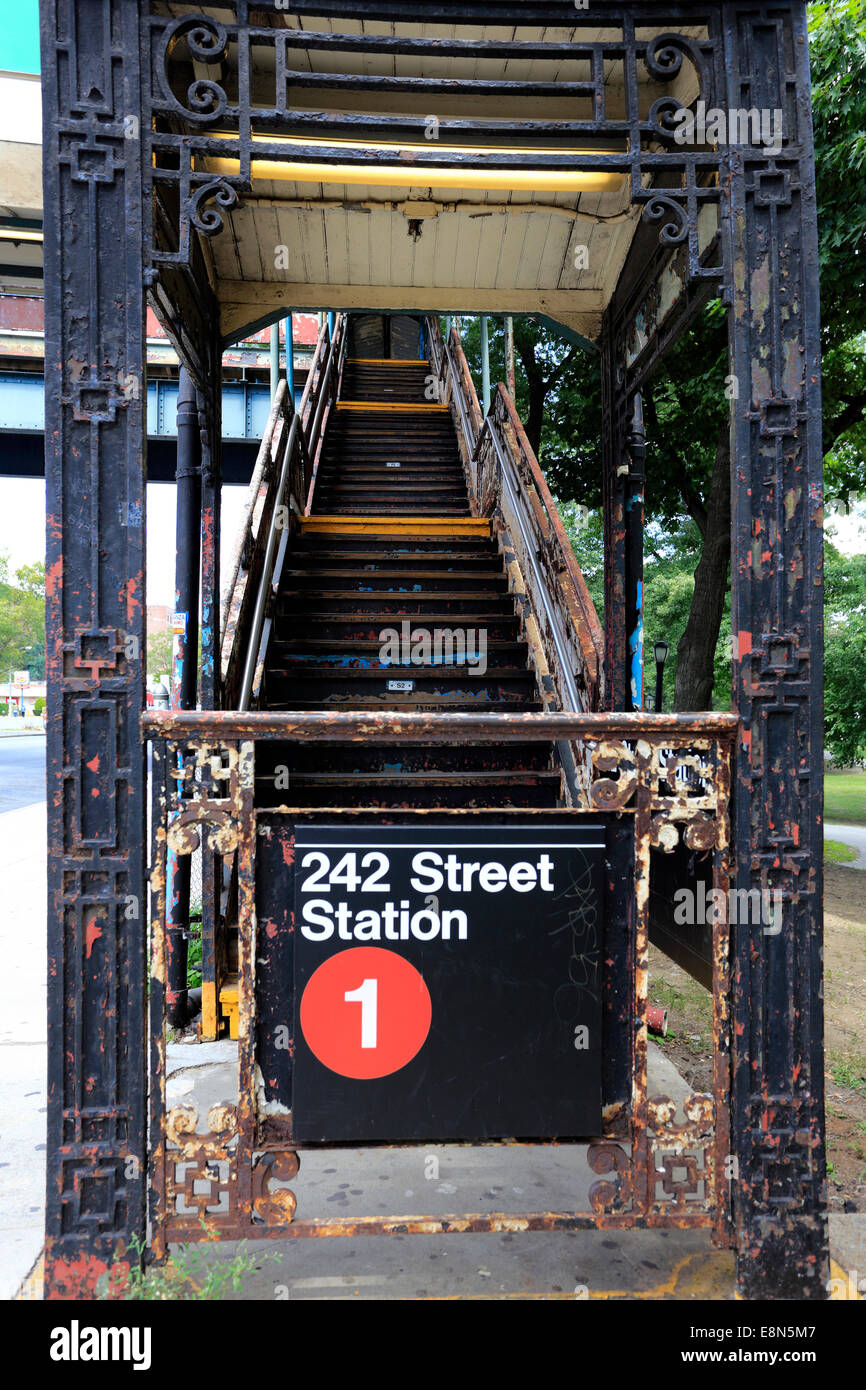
<point x="184" y="681"/>
<point x="634" y="524"/>
<point x="615" y="473"/>
<point x="509" y="356"/>
<point x="95" y="481"/>
<point x="770" y="225"/>
<point x="210" y="694"/>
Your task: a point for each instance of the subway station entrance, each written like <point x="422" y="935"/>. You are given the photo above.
<point x="427" y="793"/>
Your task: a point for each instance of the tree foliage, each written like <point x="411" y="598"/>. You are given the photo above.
<point x="686" y="405"/>
<point x="22" y="619"/>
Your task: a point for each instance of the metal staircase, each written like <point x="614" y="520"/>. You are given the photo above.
<point x="401" y="556"/>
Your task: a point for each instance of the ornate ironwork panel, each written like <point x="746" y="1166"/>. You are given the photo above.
<point x="94" y="455"/>
<point x="777" y="620"/>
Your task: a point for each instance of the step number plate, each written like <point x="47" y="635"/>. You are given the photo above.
<point x="401" y="685"/>
<point x="392" y="465"/>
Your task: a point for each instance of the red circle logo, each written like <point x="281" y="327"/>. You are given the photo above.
<point x="365" y="1012"/>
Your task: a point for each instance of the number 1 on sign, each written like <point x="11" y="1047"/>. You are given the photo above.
<point x="367" y="996"/>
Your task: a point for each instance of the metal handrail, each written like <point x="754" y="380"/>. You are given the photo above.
<point x="447" y="355"/>
<point x="320" y="397"/>
<point x="515" y="498"/>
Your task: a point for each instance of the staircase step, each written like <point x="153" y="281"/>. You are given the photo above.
<point x="371" y="759"/>
<point x="410" y="576"/>
<point x="415" y="789"/>
<point x="306" y="604"/>
<point x="341" y="590"/>
<point x="416" y="702"/>
<point x="343" y="628"/>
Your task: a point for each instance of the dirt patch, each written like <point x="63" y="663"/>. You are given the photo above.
<point x="689" y="1040"/>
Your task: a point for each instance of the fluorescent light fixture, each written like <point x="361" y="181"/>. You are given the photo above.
<point x="407" y="175"/>
<point x="13" y="234"/>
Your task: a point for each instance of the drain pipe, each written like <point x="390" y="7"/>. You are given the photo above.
<point x="179" y="1006"/>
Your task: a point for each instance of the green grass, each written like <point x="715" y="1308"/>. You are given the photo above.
<point x="190" y="1274"/>
<point x="837" y="853"/>
<point x="849" y="1072"/>
<point x="845" y="797"/>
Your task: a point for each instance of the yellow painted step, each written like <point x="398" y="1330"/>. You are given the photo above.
<point x="432" y="528"/>
<point x="229" y="1003"/>
<point x="424" y="407"/>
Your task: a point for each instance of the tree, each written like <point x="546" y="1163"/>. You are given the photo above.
<point x="845" y="654"/>
<point x="686" y="405"/>
<point x="22" y="619"/>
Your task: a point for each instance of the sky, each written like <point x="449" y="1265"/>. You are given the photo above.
<point x="19" y="36"/>
<point x="22" y="529"/>
<point x="22" y="500"/>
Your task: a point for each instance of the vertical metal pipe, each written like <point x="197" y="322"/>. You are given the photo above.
<point x="485" y="364"/>
<point x="184" y="675"/>
<point x="290" y="359"/>
<point x="509" y="356"/>
<point x="634" y="525"/>
<point x="275" y="358"/>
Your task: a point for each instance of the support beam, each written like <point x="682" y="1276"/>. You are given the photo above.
<point x="634" y="526"/>
<point x="615" y="469"/>
<point x="247" y="305"/>
<point x="95" y="605"/>
<point x="184" y="678"/>
<point x="485" y="365"/>
<point x="777" y="615"/>
<point x="275" y="358"/>
<point x="290" y="356"/>
<point x="509" y="355"/>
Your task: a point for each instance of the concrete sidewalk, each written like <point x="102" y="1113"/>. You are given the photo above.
<point x="636" y="1264"/>
<point x="22" y="1042"/>
<point x="853" y="835"/>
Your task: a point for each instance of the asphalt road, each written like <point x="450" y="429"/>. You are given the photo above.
<point x="22" y="771"/>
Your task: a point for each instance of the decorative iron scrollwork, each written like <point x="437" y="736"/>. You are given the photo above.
<point x="201" y="774"/>
<point x="610" y="1195"/>
<point x="209" y="221"/>
<point x="207" y="42"/>
<point x="680" y="1156"/>
<point x="676" y="230"/>
<point x="275" y="1206"/>
<point x="181" y="1132"/>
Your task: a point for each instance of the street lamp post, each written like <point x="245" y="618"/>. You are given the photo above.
<point x="660" y="650"/>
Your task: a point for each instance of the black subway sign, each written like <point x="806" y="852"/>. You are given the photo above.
<point x="447" y="982"/>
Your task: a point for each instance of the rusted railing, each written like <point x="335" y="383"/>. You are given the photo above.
<point x="505" y="480"/>
<point x="665" y="778"/>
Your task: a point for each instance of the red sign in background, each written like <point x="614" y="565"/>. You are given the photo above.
<point x="383" y="1023"/>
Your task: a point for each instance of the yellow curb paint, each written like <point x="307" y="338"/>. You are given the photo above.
<point x="843" y="1286"/>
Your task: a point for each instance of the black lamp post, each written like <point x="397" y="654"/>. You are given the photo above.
<point x="661" y="650"/>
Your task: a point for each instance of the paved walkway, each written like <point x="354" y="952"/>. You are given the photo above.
<point x="22" y="1042"/>
<point x="853" y="835"/>
<point x="644" y="1264"/>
